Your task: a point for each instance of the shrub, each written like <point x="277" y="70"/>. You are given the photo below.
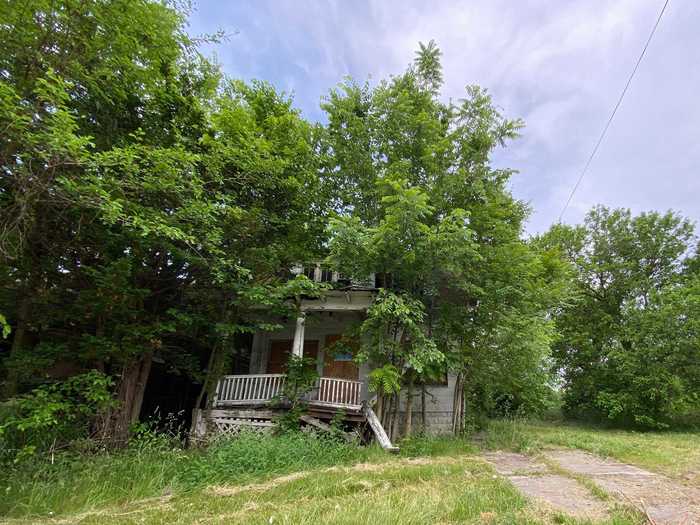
<point x="52" y="415"/>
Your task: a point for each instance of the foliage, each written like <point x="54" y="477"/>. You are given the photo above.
<point x="301" y="376"/>
<point x="658" y="373"/>
<point x="5" y="328"/>
<point x="146" y="203"/>
<point x="149" y="208"/>
<point x="419" y="204"/>
<point x="393" y="333"/>
<point x="385" y="379"/>
<point x="52" y="415"/>
<point x="629" y="341"/>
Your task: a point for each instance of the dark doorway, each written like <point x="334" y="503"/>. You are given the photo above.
<point x="240" y="359"/>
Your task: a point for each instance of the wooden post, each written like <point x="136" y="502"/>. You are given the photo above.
<point x="458" y="405"/>
<point x="422" y="407"/>
<point x="298" y="345"/>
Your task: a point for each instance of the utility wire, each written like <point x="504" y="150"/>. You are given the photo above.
<point x="612" y="115"/>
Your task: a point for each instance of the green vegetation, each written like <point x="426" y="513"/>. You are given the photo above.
<point x="675" y="454"/>
<point x="152" y="465"/>
<point x="420" y="204"/>
<point x="629" y="338"/>
<point x="149" y="207"/>
<point x="255" y="479"/>
<point x="149" y="210"/>
<point x="456" y="491"/>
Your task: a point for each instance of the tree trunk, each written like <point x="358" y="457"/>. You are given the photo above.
<point x="116" y="423"/>
<point x="19" y="341"/>
<point x="380" y="407"/>
<point x="386" y="413"/>
<point x="422" y="408"/>
<point x="409" y="408"/>
<point x="458" y="406"/>
<point x="395" y="417"/>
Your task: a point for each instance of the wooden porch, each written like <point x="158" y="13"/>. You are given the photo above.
<point x="244" y="402"/>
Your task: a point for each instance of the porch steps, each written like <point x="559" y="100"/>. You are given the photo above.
<point x="378" y="430"/>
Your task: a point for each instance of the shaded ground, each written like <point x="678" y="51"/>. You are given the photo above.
<point x="561" y="480"/>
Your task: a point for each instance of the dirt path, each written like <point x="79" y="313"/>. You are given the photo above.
<point x="661" y="499"/>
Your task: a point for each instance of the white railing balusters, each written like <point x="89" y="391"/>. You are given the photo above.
<point x="339" y="392"/>
<point x="261" y="388"/>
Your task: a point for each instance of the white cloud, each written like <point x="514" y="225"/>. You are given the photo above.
<point x="559" y="65"/>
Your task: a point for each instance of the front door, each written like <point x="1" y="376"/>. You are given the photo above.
<point x="279" y="354"/>
<point x="336" y="364"/>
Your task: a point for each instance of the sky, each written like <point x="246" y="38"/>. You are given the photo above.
<point x="559" y="65"/>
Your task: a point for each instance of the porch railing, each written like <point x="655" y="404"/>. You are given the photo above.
<point x="260" y="388"/>
<point x="319" y="272"/>
<point x="337" y="392"/>
<point x="247" y="390"/>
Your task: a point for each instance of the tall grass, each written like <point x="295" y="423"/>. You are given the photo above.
<point x="75" y="482"/>
<point x="251" y="456"/>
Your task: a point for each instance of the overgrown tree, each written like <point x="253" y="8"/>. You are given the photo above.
<point x="628" y="349"/>
<point x="146" y="202"/>
<point x="419" y="204"/>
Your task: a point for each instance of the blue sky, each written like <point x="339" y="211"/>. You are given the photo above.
<point x="558" y="65"/>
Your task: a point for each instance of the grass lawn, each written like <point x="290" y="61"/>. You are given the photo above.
<point x="438" y="489"/>
<point x="293" y="480"/>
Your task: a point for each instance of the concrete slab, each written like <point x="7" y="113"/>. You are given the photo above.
<point x="664" y="500"/>
<point x="536" y="481"/>
<point x="590" y="465"/>
<point x="562" y="494"/>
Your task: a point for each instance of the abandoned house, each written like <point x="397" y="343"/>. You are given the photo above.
<point x="244" y="397"/>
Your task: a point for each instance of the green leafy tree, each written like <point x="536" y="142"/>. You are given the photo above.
<point x="418" y="203"/>
<point x="146" y="203"/>
<point x="617" y="361"/>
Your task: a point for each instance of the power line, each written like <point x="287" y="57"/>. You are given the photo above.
<point x="612" y="115"/>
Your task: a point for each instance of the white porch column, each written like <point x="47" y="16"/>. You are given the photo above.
<point x="298" y="345"/>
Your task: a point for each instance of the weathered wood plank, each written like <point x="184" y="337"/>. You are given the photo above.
<point x="310" y="420"/>
<point x="241" y="413"/>
<point x="337" y="406"/>
<point x="316" y="423"/>
<point x="378" y="430"/>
